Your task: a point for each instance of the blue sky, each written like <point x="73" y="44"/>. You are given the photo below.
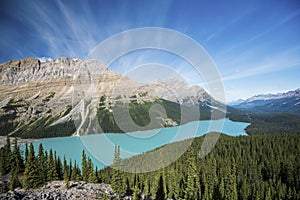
<point x="255" y="44"/>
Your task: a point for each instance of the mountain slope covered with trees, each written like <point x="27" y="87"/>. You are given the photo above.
<point x="245" y="167"/>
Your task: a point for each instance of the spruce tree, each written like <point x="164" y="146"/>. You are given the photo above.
<point x="76" y="176"/>
<point x="268" y="194"/>
<point x="135" y="193"/>
<point x="221" y="189"/>
<point x="6" y="158"/>
<point x="245" y="189"/>
<point x="2" y="162"/>
<point x="192" y="188"/>
<point x="59" y="168"/>
<point x="42" y="163"/>
<point x="97" y="175"/>
<point x="18" y="160"/>
<point x="90" y="168"/>
<point x="84" y="168"/>
<point x="31" y="178"/>
<point x="14" y="179"/>
<point x="230" y="184"/>
<point x="66" y="170"/>
<point x="160" y="193"/>
<point x="26" y="152"/>
<point x="92" y="177"/>
<point x="117" y="182"/>
<point x="147" y="187"/>
<point x="51" y="168"/>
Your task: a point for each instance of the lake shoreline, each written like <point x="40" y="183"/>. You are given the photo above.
<point x="100" y="147"/>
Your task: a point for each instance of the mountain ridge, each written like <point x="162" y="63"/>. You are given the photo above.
<point x="56" y="94"/>
<point x="270" y="103"/>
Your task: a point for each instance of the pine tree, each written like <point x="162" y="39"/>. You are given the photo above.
<point x="26" y="152"/>
<point x="117" y="182"/>
<point x="257" y="197"/>
<point x="97" y="175"/>
<point x="6" y="157"/>
<point x="289" y="194"/>
<point x="90" y="167"/>
<point x="14" y="179"/>
<point x="75" y="176"/>
<point x="206" y="188"/>
<point x="245" y="190"/>
<point x="31" y="178"/>
<point x="16" y="159"/>
<point x="92" y="177"/>
<point x="221" y="189"/>
<point x="42" y="163"/>
<point x="66" y="170"/>
<point x="2" y="162"/>
<point x="70" y="169"/>
<point x="268" y="194"/>
<point x="230" y="184"/>
<point x="7" y="146"/>
<point x="51" y="168"/>
<point x="84" y="168"/>
<point x="147" y="187"/>
<point x="135" y="193"/>
<point x="59" y="168"/>
<point x="160" y="193"/>
<point x="192" y="188"/>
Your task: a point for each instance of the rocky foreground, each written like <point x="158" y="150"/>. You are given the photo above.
<point x="57" y="190"/>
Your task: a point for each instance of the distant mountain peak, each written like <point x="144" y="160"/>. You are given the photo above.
<point x="279" y="95"/>
<point x="280" y="102"/>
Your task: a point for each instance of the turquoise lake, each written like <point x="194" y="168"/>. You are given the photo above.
<point x="100" y="147"/>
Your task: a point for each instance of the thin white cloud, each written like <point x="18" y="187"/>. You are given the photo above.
<point x="244" y="68"/>
<point x="265" y="32"/>
<point x="223" y="28"/>
<point x="278" y="64"/>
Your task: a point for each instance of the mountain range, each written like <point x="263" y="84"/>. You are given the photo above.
<point x="271" y="103"/>
<point x="69" y="96"/>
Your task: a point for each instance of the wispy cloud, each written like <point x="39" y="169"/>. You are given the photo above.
<point x="231" y="23"/>
<point x="265" y="32"/>
<point x="280" y="62"/>
<point x="71" y="29"/>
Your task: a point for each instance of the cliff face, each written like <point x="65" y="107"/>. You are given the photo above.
<point x="35" y="94"/>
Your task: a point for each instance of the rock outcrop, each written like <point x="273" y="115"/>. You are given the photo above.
<point x="35" y="93"/>
<point x="58" y="190"/>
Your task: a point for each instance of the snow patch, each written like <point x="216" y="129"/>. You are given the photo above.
<point x="264" y="97"/>
<point x="216" y="108"/>
<point x="34" y="96"/>
<point x="4" y="102"/>
<point x="213" y="107"/>
<point x="45" y="59"/>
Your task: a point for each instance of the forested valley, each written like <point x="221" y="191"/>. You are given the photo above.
<point x="244" y="167"/>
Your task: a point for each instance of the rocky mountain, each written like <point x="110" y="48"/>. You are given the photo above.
<point x="271" y="103"/>
<point x="71" y="96"/>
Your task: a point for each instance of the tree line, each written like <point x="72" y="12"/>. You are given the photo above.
<point x="238" y="168"/>
<point x="34" y="169"/>
<point x="267" y="123"/>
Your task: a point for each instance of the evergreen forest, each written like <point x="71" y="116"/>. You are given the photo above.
<point x="244" y="167"/>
